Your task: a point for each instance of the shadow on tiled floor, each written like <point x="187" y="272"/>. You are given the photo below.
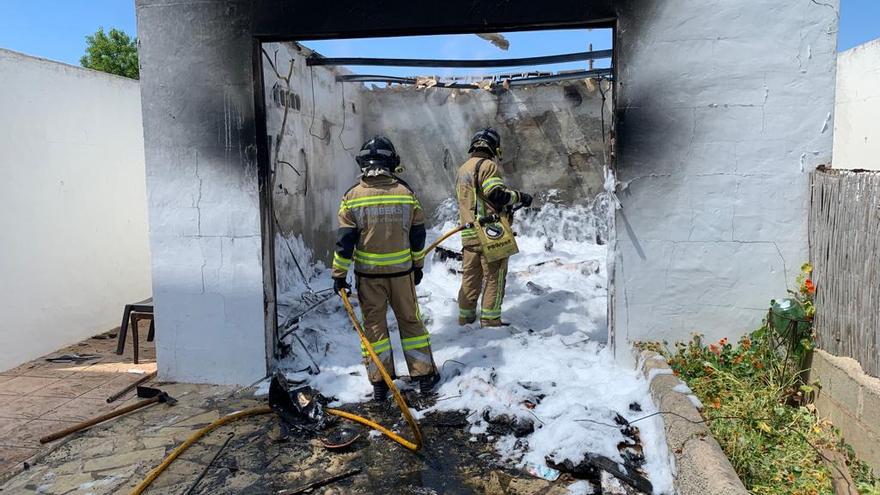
<point x="39" y="397"/>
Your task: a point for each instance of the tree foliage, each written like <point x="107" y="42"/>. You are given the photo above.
<point x="114" y="52"/>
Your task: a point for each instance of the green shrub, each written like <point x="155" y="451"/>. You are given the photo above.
<point x="757" y="402"/>
<point x="757" y="409"/>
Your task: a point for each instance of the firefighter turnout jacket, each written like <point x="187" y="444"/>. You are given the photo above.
<point x="471" y="203"/>
<point x="381" y="229"/>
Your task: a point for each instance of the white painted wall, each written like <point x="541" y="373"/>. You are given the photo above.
<point x="857" y="109"/>
<point x="72" y="204"/>
<point x="197" y="86"/>
<point x="724" y="108"/>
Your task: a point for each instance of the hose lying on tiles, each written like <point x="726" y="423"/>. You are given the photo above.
<point x="152" y="475"/>
<point x="401" y="402"/>
<point x="414" y="445"/>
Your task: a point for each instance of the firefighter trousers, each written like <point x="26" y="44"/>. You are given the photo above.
<point x="374" y="296"/>
<point x="480" y="275"/>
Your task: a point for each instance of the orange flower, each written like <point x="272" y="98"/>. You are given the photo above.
<point x="810" y="286"/>
<point x="714" y="349"/>
<point x="738" y="359"/>
<point x="746" y="343"/>
<point x="723" y="341"/>
<point x="716" y="403"/>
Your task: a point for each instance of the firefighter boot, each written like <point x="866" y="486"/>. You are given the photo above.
<point x="427" y="383"/>
<point x="380" y="392"/>
<point x="466" y="317"/>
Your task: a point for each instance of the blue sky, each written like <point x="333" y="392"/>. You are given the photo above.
<point x="468" y="46"/>
<point x="56" y="29"/>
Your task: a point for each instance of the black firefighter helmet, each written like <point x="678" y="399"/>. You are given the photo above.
<point x="378" y="152"/>
<point x="487" y="140"/>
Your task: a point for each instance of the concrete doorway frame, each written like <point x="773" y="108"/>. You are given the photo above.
<point x="278" y="20"/>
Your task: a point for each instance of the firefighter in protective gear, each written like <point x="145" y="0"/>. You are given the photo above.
<point x="481" y="191"/>
<point x="382" y="231"/>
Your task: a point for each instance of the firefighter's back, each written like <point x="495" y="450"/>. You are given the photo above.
<point x="383" y="209"/>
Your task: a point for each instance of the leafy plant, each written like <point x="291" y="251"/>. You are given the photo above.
<point x="756" y="401"/>
<point x="114" y="52"/>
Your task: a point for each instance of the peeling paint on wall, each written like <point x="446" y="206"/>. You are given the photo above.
<point x="551" y="135"/>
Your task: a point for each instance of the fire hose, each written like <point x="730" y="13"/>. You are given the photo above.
<point x="481" y="221"/>
<point x="398" y="398"/>
<point x="414" y="445"/>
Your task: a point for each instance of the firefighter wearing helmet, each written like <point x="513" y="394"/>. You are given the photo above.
<point x="481" y="191"/>
<point x="382" y="232"/>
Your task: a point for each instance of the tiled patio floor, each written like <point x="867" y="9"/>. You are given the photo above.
<point x="39" y="397"/>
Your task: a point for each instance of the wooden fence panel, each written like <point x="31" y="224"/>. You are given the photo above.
<point x="845" y="252"/>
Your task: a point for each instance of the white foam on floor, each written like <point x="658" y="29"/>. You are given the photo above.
<point x="552" y="357"/>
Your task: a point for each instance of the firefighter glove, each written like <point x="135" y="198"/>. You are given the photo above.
<point x="417" y="275"/>
<point x="525" y="199"/>
<point x="339" y="284"/>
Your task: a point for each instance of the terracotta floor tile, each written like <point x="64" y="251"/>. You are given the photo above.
<point x="79" y="409"/>
<point x="8" y="427"/>
<point x="49" y="370"/>
<point x="120" y="381"/>
<point x="22" y="385"/>
<point x="11" y="456"/>
<point x="72" y="387"/>
<point x="29" y="433"/>
<point x="21" y="369"/>
<point x="29" y="407"/>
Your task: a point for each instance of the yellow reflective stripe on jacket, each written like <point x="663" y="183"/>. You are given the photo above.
<point x="381" y="200"/>
<point x="491" y="183"/>
<point x="468" y="233"/>
<point x="340" y="262"/>
<point x="383" y="259"/>
<point x="419" y="342"/>
<point x="417" y="255"/>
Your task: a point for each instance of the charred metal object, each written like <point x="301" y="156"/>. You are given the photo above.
<point x="300" y="409"/>
<point x="340" y="438"/>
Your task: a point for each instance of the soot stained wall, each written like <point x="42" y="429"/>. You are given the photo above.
<point x="197" y="92"/>
<point x="551" y="135"/>
<point x="311" y="150"/>
<point x="724" y="108"/>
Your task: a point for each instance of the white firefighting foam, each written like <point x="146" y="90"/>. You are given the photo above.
<point x="550" y="367"/>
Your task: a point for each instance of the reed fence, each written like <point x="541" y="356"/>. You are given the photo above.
<point x="845" y="252"/>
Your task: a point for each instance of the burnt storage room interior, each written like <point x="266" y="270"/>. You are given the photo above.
<point x="553" y="112"/>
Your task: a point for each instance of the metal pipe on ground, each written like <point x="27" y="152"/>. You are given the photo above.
<point x="152" y="396"/>
<point x="124" y="390"/>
